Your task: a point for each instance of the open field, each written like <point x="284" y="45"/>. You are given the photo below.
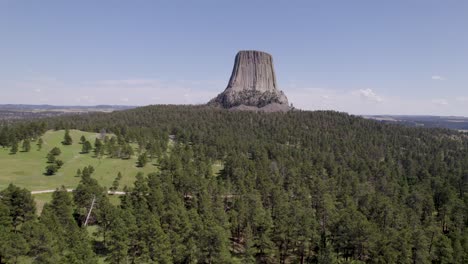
<point x="41" y="200"/>
<point x="26" y="169"/>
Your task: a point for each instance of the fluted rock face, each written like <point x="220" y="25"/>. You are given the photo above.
<point x="252" y="83"/>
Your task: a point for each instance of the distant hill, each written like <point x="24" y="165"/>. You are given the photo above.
<point x="25" y="111"/>
<point x="45" y="107"/>
<point x="450" y="122"/>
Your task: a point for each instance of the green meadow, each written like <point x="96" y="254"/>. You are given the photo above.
<point x="26" y="169"/>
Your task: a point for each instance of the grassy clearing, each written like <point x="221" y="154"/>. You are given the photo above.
<point x="44" y="198"/>
<point x="26" y="169"/>
<point x="40" y="200"/>
<point x="217" y="167"/>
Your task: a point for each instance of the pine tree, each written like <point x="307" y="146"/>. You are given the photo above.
<point x="26" y="145"/>
<point x="5" y="219"/>
<point x="88" y="190"/>
<point x="105" y="215"/>
<point x="59" y="163"/>
<point x="98" y="148"/>
<point x="116" y="182"/>
<point x="14" y="147"/>
<point x="20" y="204"/>
<point x="12" y="246"/>
<point x="157" y="242"/>
<point x="51" y="169"/>
<point x="43" y="245"/>
<point x="443" y="252"/>
<point x="67" y="139"/>
<point x="142" y="160"/>
<point x="248" y="255"/>
<point x="119" y="239"/>
<point x="55" y="151"/>
<point x="86" y="147"/>
<point x="74" y="244"/>
<point x="40" y="142"/>
<point x="51" y="158"/>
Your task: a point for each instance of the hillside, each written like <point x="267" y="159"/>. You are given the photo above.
<point x="452" y="122"/>
<point x="26" y="169"/>
<point x="296" y="187"/>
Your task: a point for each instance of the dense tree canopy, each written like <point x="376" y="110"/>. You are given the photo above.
<point x="297" y="187"/>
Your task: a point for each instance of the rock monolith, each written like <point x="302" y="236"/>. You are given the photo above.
<point x="252" y="85"/>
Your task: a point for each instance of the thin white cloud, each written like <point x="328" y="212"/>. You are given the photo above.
<point x="130" y="82"/>
<point x="85" y="99"/>
<point x="138" y="91"/>
<point x="364" y="101"/>
<point x="440" y="102"/>
<point x="462" y="99"/>
<point x="356" y="102"/>
<point x="369" y="95"/>
<point x="145" y="91"/>
<point x="438" y="78"/>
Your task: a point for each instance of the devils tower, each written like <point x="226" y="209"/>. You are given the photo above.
<point x="252" y="85"/>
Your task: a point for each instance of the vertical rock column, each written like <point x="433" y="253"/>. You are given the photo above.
<point x="253" y="70"/>
<point x="252" y="82"/>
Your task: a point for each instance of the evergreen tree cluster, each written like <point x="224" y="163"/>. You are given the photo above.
<point x="12" y="133"/>
<point x="296" y="187"/>
<point x="54" y="164"/>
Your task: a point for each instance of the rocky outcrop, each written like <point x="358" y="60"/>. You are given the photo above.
<point x="252" y="85"/>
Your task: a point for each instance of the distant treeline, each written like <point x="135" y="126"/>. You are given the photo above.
<point x="451" y="122"/>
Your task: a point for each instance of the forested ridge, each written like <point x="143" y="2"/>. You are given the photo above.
<point x="296" y="187"/>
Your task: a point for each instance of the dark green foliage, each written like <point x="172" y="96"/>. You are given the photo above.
<point x="40" y="142"/>
<point x="14" y="147"/>
<point x="59" y="163"/>
<point x="17" y="131"/>
<point x="116" y="182"/>
<point x="19" y="204"/>
<point x="26" y="147"/>
<point x="73" y="243"/>
<point x="51" y="169"/>
<point x="51" y="158"/>
<point x="297" y="187"/>
<point x="17" y="209"/>
<point x="87" y="190"/>
<point x="86" y="147"/>
<point x="67" y="139"/>
<point x="118" y="244"/>
<point x="126" y="151"/>
<point x="142" y="160"/>
<point x="98" y="148"/>
<point x="54" y="163"/>
<point x="12" y="246"/>
<point x="55" y="151"/>
<point x="43" y="243"/>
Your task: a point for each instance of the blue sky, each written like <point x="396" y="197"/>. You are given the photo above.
<point x="361" y="57"/>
